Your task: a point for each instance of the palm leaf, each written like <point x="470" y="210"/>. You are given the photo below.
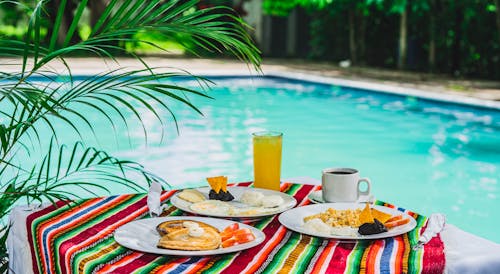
<point x="28" y="104"/>
<point x="87" y="168"/>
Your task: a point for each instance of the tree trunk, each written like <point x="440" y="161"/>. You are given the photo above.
<point x="403" y="38"/>
<point x="432" y="36"/>
<point x="497" y="6"/>
<point x="457" y="41"/>
<point x="361" y="39"/>
<point x="352" y="36"/>
<point x="67" y="18"/>
<point x="96" y="7"/>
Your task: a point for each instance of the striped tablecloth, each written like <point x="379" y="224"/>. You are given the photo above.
<point x="79" y="239"/>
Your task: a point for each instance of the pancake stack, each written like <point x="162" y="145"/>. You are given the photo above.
<point x="179" y="235"/>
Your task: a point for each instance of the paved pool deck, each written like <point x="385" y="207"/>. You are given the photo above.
<point x="478" y="92"/>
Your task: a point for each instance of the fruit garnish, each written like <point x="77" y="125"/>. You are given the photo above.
<point x="242" y="231"/>
<point x="224" y="236"/>
<point x="397" y="223"/>
<point x="395" y="218"/>
<point x="244" y="238"/>
<point x="231" y="228"/>
<point x="233" y="235"/>
<point x="229" y="242"/>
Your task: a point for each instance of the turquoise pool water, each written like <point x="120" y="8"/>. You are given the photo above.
<point x="422" y="155"/>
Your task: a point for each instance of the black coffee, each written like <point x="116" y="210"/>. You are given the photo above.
<point x="341" y="172"/>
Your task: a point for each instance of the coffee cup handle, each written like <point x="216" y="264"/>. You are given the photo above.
<point x="368" y="183"/>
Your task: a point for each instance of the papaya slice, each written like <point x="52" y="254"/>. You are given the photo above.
<point x="397" y="223"/>
<point x="394" y="218"/>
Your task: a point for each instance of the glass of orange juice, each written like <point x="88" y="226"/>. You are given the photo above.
<point x="267" y="159"/>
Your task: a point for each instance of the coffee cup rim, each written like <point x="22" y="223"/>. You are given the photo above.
<point x="345" y="169"/>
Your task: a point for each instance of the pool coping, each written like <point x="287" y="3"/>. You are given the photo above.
<point x="384" y="88"/>
<point x="364" y="85"/>
<point x="456" y="99"/>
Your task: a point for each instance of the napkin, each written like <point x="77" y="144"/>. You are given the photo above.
<point x="154" y="199"/>
<point x="435" y="224"/>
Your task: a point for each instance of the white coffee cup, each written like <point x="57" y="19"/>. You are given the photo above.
<point x="342" y="185"/>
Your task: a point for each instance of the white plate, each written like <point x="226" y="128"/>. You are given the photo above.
<point x="141" y="235"/>
<point x="294" y="220"/>
<point x="237" y="191"/>
<point x="317" y="198"/>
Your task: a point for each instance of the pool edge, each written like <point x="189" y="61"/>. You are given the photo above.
<point x="389" y="89"/>
<point x="358" y="84"/>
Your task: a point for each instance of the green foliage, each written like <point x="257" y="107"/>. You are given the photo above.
<point x="27" y="104"/>
<point x="466" y="42"/>
<point x="278" y="7"/>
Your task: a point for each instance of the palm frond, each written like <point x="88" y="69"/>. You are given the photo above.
<point x="215" y="29"/>
<point x="29" y="103"/>
<point x="87" y="168"/>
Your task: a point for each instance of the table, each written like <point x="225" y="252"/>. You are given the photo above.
<point x="464" y="252"/>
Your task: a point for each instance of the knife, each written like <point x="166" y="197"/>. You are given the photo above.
<point x="435" y="225"/>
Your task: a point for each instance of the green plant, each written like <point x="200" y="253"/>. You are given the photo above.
<point x="26" y="103"/>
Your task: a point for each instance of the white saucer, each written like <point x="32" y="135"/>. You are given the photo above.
<point x="317" y="198"/>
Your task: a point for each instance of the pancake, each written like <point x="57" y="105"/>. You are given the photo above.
<point x="179" y="237"/>
<point x="172" y="226"/>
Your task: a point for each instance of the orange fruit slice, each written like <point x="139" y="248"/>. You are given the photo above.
<point x="395" y="218"/>
<point x="397" y="223"/>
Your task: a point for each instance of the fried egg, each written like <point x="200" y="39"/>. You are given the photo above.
<point x="213" y="207"/>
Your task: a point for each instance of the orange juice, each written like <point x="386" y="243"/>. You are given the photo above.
<point x="267" y="159"/>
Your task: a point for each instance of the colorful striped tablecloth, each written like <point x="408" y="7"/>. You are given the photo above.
<point x="79" y="239"/>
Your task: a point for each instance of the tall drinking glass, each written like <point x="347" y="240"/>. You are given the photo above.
<point x="267" y="159"/>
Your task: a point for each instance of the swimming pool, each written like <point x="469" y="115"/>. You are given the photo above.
<point x="423" y="155"/>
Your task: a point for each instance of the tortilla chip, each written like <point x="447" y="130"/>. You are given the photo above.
<point x="215" y="183"/>
<point x="381" y="216"/>
<point x="224" y="183"/>
<point x="366" y="215"/>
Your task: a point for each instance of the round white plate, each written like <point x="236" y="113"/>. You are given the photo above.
<point x="141" y="235"/>
<point x="316" y="197"/>
<point x="237" y="191"/>
<point x="294" y="220"/>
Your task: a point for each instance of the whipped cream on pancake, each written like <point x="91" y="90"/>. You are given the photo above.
<point x="196" y="231"/>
